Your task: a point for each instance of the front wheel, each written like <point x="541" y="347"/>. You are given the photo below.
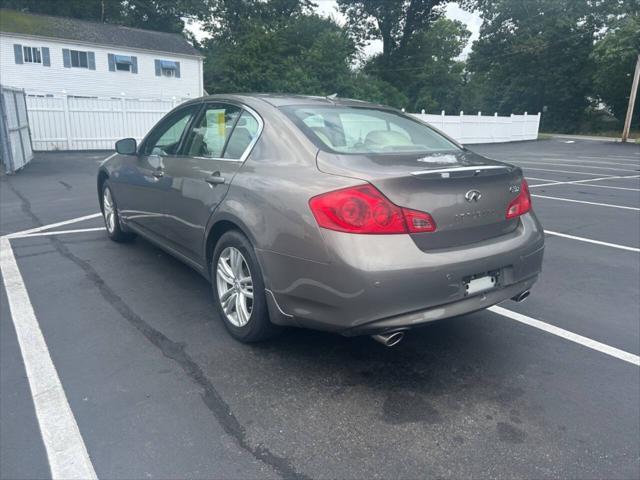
<point x="111" y="217"/>
<point x="238" y="289"/>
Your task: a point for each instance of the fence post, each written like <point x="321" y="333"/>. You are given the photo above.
<point x="538" y="125"/>
<point x="511" y="128"/>
<point x="123" y="103"/>
<point x="67" y="120"/>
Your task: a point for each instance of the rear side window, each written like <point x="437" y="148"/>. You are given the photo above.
<point x="357" y="130"/>
<point x="243" y="134"/>
<point x="209" y="136"/>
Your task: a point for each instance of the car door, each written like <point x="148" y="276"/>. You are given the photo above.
<point x="215" y="147"/>
<point x="146" y="189"/>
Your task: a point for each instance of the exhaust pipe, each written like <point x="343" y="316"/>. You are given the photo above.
<point x="521" y="297"/>
<point x="389" y="339"/>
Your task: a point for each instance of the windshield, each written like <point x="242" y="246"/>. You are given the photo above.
<point x="359" y="130"/>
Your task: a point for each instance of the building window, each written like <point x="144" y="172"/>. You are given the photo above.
<point x="167" y="68"/>
<point x="79" y="59"/>
<point x="31" y="55"/>
<point x="123" y="63"/>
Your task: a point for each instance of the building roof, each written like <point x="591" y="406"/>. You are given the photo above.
<point x="12" y="21"/>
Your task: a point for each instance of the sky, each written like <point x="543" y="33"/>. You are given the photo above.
<point x="328" y="8"/>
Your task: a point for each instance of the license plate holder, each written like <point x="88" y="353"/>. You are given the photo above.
<point x="480" y="283"/>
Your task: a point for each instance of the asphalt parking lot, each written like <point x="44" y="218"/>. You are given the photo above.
<point x="158" y="389"/>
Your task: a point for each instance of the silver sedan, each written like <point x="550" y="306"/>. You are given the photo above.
<point x="325" y="213"/>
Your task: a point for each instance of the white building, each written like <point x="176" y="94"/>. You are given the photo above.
<point x="52" y="55"/>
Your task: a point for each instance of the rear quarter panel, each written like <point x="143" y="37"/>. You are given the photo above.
<point x="269" y="194"/>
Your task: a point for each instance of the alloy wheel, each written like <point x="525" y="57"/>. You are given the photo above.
<point x="235" y="286"/>
<point x="108" y="210"/>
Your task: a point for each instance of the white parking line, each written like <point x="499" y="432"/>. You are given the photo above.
<point x="609" y="205"/>
<point x="573" y="337"/>
<point x="53" y="225"/>
<point x="58" y="232"/>
<point x="621" y="157"/>
<point x="575" y="160"/>
<point x="588" y="180"/>
<point x="598" y="162"/>
<point x="66" y="452"/>
<point x="519" y="162"/>
<point x="595" y="242"/>
<point x="564" y="171"/>
<point x="587" y="185"/>
<point x="543" y="179"/>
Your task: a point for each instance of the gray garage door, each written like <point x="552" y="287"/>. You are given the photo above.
<point x="15" y="138"/>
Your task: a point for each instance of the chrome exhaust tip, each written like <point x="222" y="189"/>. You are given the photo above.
<point x="521" y="297"/>
<point x="389" y="339"/>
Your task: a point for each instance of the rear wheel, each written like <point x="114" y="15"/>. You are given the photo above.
<point x="111" y="217"/>
<point x="238" y="289"/>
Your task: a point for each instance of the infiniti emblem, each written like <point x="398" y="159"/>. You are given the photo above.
<point x="472" y="195"/>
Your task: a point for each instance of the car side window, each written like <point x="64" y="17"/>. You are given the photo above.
<point x="247" y="128"/>
<point x="209" y="136"/>
<point x="165" y="138"/>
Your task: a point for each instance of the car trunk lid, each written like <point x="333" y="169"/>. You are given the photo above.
<point x="466" y="194"/>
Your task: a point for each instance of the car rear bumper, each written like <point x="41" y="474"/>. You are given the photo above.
<point x="454" y="309"/>
<point x="383" y="282"/>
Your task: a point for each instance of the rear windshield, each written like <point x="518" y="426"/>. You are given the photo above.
<point x="359" y="130"/>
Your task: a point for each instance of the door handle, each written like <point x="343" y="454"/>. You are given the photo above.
<point x="215" y="179"/>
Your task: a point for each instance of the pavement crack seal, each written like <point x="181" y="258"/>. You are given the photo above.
<point x="176" y="352"/>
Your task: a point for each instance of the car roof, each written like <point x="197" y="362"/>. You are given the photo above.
<point x="283" y="100"/>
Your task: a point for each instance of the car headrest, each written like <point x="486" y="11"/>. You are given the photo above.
<point x="386" y="137"/>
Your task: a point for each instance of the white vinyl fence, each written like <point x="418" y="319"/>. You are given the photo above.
<point x="64" y="122"/>
<point x="483" y="128"/>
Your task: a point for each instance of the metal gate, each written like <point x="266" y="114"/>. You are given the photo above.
<point x="15" y="138"/>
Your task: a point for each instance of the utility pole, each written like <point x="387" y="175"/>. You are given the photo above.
<point x="632" y="101"/>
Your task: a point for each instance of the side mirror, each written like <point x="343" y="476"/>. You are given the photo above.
<point x="126" y="146"/>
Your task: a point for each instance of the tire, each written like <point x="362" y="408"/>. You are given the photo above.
<point x="111" y="217"/>
<point x="246" y="319"/>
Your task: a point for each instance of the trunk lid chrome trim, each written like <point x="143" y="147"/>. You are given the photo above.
<point x="444" y="171"/>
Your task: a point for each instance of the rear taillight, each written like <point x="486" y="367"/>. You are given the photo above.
<point x="521" y="204"/>
<point x="363" y="209"/>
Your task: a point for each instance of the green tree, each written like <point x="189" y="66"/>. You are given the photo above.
<point x="536" y="56"/>
<point x="615" y="57"/>
<point x="427" y="70"/>
<point x="419" y="49"/>
<point x="305" y="54"/>
<point x="398" y="23"/>
<point x="161" y="15"/>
